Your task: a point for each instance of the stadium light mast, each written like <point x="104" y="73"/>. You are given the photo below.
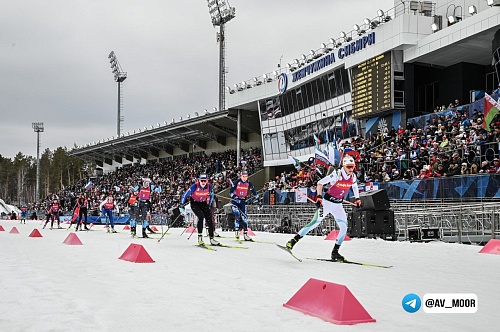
<point x="221" y="12"/>
<point x="120" y="76"/>
<point x="38" y="128"/>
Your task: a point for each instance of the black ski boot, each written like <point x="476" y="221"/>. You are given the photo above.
<point x="246" y="237"/>
<point x="293" y="241"/>
<point x="150" y="230"/>
<point x="132" y="231"/>
<point x="336" y="257"/>
<point x="85" y="225"/>
<point x="144" y="235"/>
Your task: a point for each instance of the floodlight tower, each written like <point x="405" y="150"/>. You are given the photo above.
<point x="38" y="128"/>
<point x="120" y="76"/>
<point x="221" y="13"/>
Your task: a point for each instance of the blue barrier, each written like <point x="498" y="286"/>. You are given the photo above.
<point x="96" y="220"/>
<point x="456" y="187"/>
<point x="419" y="122"/>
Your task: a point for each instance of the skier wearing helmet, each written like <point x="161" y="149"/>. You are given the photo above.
<point x="340" y="182"/>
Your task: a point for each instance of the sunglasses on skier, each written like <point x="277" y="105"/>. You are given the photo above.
<point x="349" y="167"/>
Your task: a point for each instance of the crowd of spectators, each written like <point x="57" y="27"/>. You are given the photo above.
<point x="449" y="144"/>
<point x="170" y="179"/>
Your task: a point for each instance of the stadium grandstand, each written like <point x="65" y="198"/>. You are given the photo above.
<point x="411" y="92"/>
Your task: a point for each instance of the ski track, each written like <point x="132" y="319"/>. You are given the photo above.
<point x="46" y="285"/>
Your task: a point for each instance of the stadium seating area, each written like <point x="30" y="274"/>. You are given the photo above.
<point x="170" y="178"/>
<point x="450" y="143"/>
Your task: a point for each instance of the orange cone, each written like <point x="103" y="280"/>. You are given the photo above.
<point x="249" y="232"/>
<point x="14" y="230"/>
<point x="73" y="240"/>
<point x="136" y="253"/>
<point x="492" y="247"/>
<point x="35" y="233"/>
<point x="331" y="302"/>
<point x="333" y="236"/>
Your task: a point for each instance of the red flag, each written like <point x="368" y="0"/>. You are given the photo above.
<point x="76" y="213"/>
<point x="353" y="153"/>
<point x="321" y="159"/>
<point x="491" y="108"/>
<point x="344" y="123"/>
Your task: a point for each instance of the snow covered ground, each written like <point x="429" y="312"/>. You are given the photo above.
<point x="46" y="285"/>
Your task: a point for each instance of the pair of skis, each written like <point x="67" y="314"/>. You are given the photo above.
<point x="332" y="261"/>
<point x="252" y="240"/>
<point x="211" y="247"/>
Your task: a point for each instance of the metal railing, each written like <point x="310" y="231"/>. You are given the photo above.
<point x="455" y="221"/>
<point x="462" y="222"/>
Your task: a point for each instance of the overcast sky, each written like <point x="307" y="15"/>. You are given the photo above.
<point x="54" y="65"/>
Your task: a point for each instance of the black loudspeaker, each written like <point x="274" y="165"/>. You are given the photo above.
<point x="372" y="223"/>
<point x="376" y="200"/>
<point x="228" y="209"/>
<point x="227" y="223"/>
<point x="419" y="234"/>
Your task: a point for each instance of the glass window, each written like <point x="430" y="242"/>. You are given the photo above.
<point x="321" y="88"/>
<point x="299" y="96"/>
<point x="284" y="105"/>
<point x="338" y="79"/>
<point x="267" y="145"/>
<point x="263" y="112"/>
<point x="306" y="95"/>
<point x="345" y="80"/>
<point x="293" y="97"/>
<point x="289" y="102"/>
<point x="314" y="88"/>
<point x="332" y="86"/>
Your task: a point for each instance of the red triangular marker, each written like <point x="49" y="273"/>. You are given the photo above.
<point x="333" y="236"/>
<point x="35" y="233"/>
<point x="2" y="229"/>
<point x="154" y="228"/>
<point x="492" y="247"/>
<point x="72" y="239"/>
<point x="14" y="230"/>
<point x="331" y="302"/>
<point x="136" y="253"/>
<point x="191" y="229"/>
<point x="249" y="232"/>
<point x="126" y="228"/>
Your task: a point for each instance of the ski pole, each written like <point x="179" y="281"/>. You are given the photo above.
<point x="191" y="233"/>
<point x="194" y="228"/>
<point x="185" y="229"/>
<point x="310" y="200"/>
<point x="168" y="227"/>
